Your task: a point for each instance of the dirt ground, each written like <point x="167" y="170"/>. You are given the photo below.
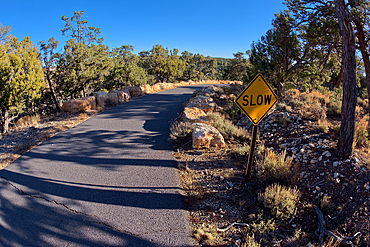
<point x="225" y="211"/>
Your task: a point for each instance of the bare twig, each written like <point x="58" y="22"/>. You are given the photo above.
<point x="321" y="231"/>
<point x="231" y="225"/>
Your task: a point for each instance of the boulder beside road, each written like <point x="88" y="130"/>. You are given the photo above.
<point x="205" y="136"/>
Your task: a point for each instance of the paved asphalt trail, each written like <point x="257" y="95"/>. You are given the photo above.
<point x="111" y="181"/>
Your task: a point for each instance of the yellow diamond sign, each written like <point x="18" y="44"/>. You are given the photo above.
<point x="257" y="99"/>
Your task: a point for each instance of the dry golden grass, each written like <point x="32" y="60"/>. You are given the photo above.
<point x="28" y="121"/>
<point x="250" y="241"/>
<point x="275" y="166"/>
<point x="281" y="200"/>
<point x="362" y="132"/>
<point x="323" y="125"/>
<point x="7" y="158"/>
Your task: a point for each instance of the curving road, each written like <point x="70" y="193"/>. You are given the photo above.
<point x="111" y="181"/>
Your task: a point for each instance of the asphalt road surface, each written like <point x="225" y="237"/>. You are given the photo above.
<point x="110" y="181"/>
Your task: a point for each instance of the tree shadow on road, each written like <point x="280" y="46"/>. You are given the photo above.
<point x="38" y="207"/>
<point x="34" y="221"/>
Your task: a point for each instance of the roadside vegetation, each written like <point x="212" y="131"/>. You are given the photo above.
<point x="295" y="173"/>
<point x="313" y="152"/>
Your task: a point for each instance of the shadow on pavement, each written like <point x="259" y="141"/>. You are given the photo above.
<point x="33" y="222"/>
<point x="32" y="218"/>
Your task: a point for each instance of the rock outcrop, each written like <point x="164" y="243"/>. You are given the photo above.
<point x="194" y="115"/>
<point x="204" y="103"/>
<point x="134" y="91"/>
<point x="205" y="136"/>
<point x="100" y="98"/>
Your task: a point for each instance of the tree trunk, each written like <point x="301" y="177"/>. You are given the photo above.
<point x="365" y="54"/>
<point x="52" y="91"/>
<point x="4" y="121"/>
<point x="349" y="101"/>
<point x="280" y="87"/>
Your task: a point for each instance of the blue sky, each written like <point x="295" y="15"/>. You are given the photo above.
<point x="212" y="28"/>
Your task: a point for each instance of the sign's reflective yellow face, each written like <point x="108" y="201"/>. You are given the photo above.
<point x="257" y="99"/>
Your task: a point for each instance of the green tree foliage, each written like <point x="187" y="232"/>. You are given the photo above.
<point x="21" y="77"/>
<point x="280" y="52"/>
<point x="318" y="27"/>
<point x="306" y="10"/>
<point x="220" y="68"/>
<point x="125" y="69"/>
<point x="197" y="67"/>
<point x="237" y="69"/>
<point x="85" y="62"/>
<point x="82" y="69"/>
<point x="77" y="28"/>
<point x="163" y="64"/>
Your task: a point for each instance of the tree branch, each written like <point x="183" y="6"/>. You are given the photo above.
<point x="321" y="231"/>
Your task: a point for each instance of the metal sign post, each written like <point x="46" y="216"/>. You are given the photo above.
<point x="255" y="101"/>
<point x="251" y="154"/>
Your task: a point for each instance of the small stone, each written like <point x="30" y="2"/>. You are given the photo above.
<point x="326" y="153"/>
<point x="317" y="188"/>
<point x="313" y="161"/>
<point x="336" y="174"/>
<point x="337" y="180"/>
<point x="336" y="163"/>
<point x="311" y="145"/>
<point x="322" y="174"/>
<point x="230" y="184"/>
<point x="367" y="186"/>
<point x="320" y="158"/>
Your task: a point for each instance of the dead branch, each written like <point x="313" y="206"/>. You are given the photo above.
<point x="231" y="225"/>
<point x="322" y="231"/>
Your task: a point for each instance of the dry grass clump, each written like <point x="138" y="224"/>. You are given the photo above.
<point x="241" y="150"/>
<point x="362" y="133"/>
<point x="207" y="236"/>
<point x="227" y="129"/>
<point x="323" y="125"/>
<point x="314" y="111"/>
<point x="275" y="166"/>
<point x="180" y="132"/>
<point x="315" y="105"/>
<point x="29" y="120"/>
<point x="250" y="241"/>
<point x="281" y="200"/>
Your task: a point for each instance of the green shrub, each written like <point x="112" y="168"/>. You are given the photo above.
<point x="242" y="150"/>
<point x="282" y="201"/>
<point x="227" y="129"/>
<point x="181" y="131"/>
